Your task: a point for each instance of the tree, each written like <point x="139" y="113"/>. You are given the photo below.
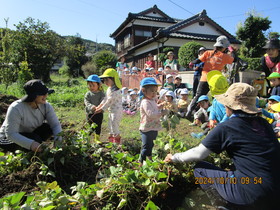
<point x="76" y="55"/>
<point x="8" y="71"/>
<point x="103" y="60"/>
<point x="41" y="46"/>
<point x="188" y="52"/>
<point x="252" y="35"/>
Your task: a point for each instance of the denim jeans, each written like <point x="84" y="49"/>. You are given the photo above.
<point x="147" y="143"/>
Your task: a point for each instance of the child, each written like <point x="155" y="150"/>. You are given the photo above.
<point x="150" y="117"/>
<point x="218" y="84"/>
<point x="124" y="97"/>
<point x="183" y="102"/>
<point x="112" y="102"/>
<point x="274" y="99"/>
<point x="276" y="125"/>
<point x="132" y="106"/>
<point x="134" y="70"/>
<point x="274" y="79"/>
<point x="92" y="99"/>
<point x="201" y="116"/>
<point x="170" y="104"/>
<point x="169" y="82"/>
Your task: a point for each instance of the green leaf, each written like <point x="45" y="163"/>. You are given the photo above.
<point x="16" y="198"/>
<point x="62" y="160"/>
<point x="52" y="185"/>
<point x="50" y="160"/>
<point x="48" y="208"/>
<point x="151" y="206"/>
<point x="161" y="175"/>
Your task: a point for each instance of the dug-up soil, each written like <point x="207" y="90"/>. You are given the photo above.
<point x="5" y="101"/>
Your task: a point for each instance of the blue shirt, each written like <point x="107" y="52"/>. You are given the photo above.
<point x="199" y="70"/>
<point x="218" y="112"/>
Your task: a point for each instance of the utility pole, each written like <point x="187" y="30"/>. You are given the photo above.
<point x="6" y="21"/>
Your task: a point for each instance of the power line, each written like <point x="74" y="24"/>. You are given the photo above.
<point x="181" y="7"/>
<point x="245" y="13"/>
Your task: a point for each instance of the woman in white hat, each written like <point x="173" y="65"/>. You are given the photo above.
<point x="213" y="60"/>
<point x="253" y="147"/>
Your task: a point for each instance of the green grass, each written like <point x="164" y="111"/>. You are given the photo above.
<point x="68" y="102"/>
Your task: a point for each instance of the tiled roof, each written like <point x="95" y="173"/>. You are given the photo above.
<point x="152" y="18"/>
<point x="204" y="37"/>
<point x="143" y="16"/>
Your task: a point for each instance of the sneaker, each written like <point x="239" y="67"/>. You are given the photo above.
<point x="193" y="124"/>
<point x="116" y="140"/>
<point x="111" y="139"/>
<point x="197" y="135"/>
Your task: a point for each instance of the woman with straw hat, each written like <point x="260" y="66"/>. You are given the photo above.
<point x="253" y="147"/>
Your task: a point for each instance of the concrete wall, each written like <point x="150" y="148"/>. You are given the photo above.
<point x="247" y="76"/>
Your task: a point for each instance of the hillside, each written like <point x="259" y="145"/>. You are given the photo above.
<point x="92" y="48"/>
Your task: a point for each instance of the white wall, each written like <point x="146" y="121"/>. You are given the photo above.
<point x="206" y="29"/>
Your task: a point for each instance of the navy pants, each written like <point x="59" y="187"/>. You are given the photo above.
<point x="97" y="118"/>
<point x="40" y="134"/>
<point x="202" y="89"/>
<point x="208" y="175"/>
<point x="147" y="143"/>
<point x="196" y="79"/>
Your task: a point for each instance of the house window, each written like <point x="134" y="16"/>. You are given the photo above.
<point x="119" y="46"/>
<point x="127" y="41"/>
<point x="143" y="33"/>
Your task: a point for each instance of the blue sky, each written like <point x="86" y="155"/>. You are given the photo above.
<point x="96" y="20"/>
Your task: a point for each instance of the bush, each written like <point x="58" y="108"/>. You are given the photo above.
<point x="163" y="56"/>
<point x="103" y="60"/>
<point x="89" y="68"/>
<point x="253" y="63"/>
<point x="188" y="53"/>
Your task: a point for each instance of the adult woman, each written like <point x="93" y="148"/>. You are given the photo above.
<point x="271" y="60"/>
<point x="30" y="120"/>
<point x="213" y="60"/>
<point x="253" y="147"/>
<point x="171" y="61"/>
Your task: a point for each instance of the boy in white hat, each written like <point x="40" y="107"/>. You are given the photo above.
<point x="133" y="104"/>
<point x="169" y="82"/>
<point x="178" y="82"/>
<point x="183" y="102"/>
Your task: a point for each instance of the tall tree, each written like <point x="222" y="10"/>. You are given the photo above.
<point x="251" y="33"/>
<point x="8" y="71"/>
<point x="76" y="55"/>
<point x="40" y="46"/>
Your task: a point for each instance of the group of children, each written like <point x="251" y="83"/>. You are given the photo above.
<point x="157" y="103"/>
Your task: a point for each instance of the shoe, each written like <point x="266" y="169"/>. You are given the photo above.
<point x="111" y="138"/>
<point x="193" y="124"/>
<point x="197" y="135"/>
<point x="116" y="140"/>
<point x="97" y="138"/>
<point x="132" y="113"/>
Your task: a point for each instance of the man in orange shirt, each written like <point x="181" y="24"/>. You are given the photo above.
<point x="213" y="60"/>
